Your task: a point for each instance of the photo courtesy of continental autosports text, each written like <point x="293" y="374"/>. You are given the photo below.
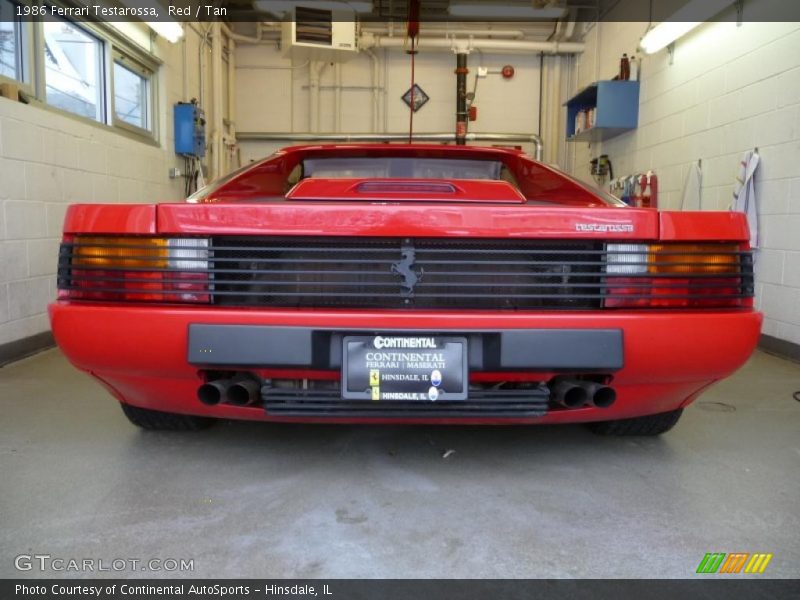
<point x="178" y="590"/>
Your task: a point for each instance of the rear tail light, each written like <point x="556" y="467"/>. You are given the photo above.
<point x="633" y="275"/>
<point x="678" y="276"/>
<point x="135" y="269"/>
<point x="626" y="259"/>
<point x="188" y="254"/>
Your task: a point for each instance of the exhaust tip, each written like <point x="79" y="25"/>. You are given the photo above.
<point x="569" y="393"/>
<point x="604" y="397"/>
<point x="575" y="397"/>
<point x="244" y="392"/>
<point x="213" y="392"/>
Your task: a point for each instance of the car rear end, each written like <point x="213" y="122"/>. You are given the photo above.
<point x="405" y="312"/>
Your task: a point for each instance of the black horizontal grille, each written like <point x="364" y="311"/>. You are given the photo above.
<point x="397" y="273"/>
<point x="531" y="402"/>
<point x="441" y="273"/>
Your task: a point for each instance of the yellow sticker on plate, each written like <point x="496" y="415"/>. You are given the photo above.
<point x="374" y="377"/>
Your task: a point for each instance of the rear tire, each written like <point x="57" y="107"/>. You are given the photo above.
<point x="642" y="426"/>
<point x="155" y="420"/>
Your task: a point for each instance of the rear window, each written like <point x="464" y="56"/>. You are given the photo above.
<point x="401" y="168"/>
<point x="274" y="177"/>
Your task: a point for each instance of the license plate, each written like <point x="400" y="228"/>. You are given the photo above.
<point x="404" y="368"/>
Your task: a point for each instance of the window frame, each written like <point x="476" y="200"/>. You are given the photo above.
<point x="114" y="47"/>
<point x="23" y="51"/>
<point x="126" y="62"/>
<point x="102" y="73"/>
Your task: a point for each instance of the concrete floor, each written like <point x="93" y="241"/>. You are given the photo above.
<point x="260" y="500"/>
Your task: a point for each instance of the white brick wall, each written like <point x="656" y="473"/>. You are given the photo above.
<point x="49" y="160"/>
<point x="728" y="90"/>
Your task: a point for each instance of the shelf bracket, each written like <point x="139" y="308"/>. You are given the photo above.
<point x="671" y="52"/>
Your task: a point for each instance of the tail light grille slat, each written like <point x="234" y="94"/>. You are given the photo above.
<point x="448" y="273"/>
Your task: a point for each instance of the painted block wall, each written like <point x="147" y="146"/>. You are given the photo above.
<point x="728" y="90"/>
<point x="272" y="94"/>
<point x="49" y="160"/>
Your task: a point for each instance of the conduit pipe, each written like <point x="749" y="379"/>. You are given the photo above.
<point x="216" y="98"/>
<point x="374" y="83"/>
<point x="245" y="39"/>
<point x="338" y="97"/>
<point x="472" y="43"/>
<point x="556" y="126"/>
<point x="232" y="84"/>
<point x="261" y="29"/>
<point x="314" y="76"/>
<point x="434" y="31"/>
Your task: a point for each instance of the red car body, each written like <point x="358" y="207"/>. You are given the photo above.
<point x="663" y="311"/>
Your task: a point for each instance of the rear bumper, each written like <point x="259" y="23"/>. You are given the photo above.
<point x="320" y="348"/>
<point x="141" y="353"/>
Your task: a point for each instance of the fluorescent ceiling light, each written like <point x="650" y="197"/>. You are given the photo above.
<point x="663" y="34"/>
<point x="277" y="7"/>
<point x="489" y="10"/>
<point x="169" y="30"/>
<point x="689" y="16"/>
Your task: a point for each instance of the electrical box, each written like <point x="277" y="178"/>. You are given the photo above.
<point x="190" y="129"/>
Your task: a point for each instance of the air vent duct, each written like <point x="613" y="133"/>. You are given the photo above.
<point x="318" y="34"/>
<point x="313" y="26"/>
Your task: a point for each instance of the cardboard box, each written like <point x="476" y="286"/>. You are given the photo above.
<point x="10" y="90"/>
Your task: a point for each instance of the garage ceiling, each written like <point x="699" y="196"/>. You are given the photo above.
<point x="438" y="10"/>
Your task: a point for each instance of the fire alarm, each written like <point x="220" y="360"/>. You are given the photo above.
<point x="507" y="72"/>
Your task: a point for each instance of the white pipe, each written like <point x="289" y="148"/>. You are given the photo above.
<point x="201" y="47"/>
<point x="557" y="33"/>
<point x="322" y="69"/>
<point x="544" y="98"/>
<point x="245" y="39"/>
<point x="503" y="46"/>
<point x="547" y="125"/>
<point x="232" y="86"/>
<point x="272" y="67"/>
<point x="314" y="77"/>
<point x="291" y="99"/>
<point x="374" y="83"/>
<point x="569" y="30"/>
<point x="384" y="83"/>
<point x="185" y="81"/>
<point x="313" y="96"/>
<point x="556" y="112"/>
<point x="216" y="97"/>
<point x="338" y="101"/>
<point x="261" y="29"/>
<point x="551" y="109"/>
<point x="437" y="31"/>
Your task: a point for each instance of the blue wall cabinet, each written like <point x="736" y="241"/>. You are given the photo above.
<point x="616" y="110"/>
